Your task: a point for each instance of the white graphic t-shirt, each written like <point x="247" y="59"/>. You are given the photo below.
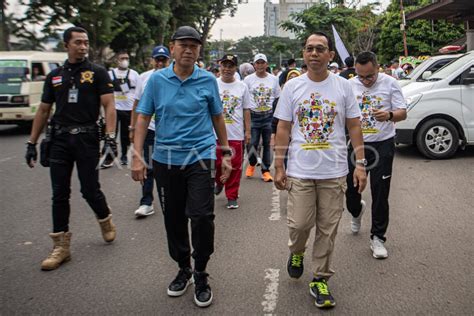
<point x="263" y="91"/>
<point x="386" y="95"/>
<point x="141" y="84"/>
<point x="124" y="98"/>
<point x="235" y="98"/>
<point x="318" y="112"/>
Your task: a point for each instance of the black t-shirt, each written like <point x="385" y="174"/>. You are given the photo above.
<point x="348" y="73"/>
<point x="90" y="80"/>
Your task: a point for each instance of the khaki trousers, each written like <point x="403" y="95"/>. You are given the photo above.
<point x="320" y="203"/>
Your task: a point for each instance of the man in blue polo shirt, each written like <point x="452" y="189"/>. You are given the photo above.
<point x="186" y="103"/>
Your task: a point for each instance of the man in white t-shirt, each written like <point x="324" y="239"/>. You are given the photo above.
<point x="160" y="59"/>
<point x="314" y="110"/>
<point x="124" y="80"/>
<point x="382" y="104"/>
<point x="235" y="99"/>
<point x="264" y="89"/>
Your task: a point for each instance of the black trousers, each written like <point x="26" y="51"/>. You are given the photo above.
<point x="379" y="157"/>
<point x="82" y="149"/>
<point x="187" y="193"/>
<point x="123" y="122"/>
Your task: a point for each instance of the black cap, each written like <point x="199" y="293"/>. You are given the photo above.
<point x="186" y="32"/>
<point x="229" y="57"/>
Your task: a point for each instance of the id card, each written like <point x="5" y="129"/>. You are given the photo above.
<point x="73" y="96"/>
<point x="124" y="87"/>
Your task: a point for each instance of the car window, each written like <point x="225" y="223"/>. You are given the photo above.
<point x="438" y="65"/>
<point x="468" y="72"/>
<point x="53" y="66"/>
<point x="37" y="71"/>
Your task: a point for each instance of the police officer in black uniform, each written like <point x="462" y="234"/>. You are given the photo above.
<point x="78" y="88"/>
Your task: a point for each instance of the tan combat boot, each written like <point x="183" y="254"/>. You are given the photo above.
<point x="107" y="228"/>
<point x="60" y="253"/>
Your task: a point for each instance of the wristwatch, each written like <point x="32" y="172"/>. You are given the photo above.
<point x="226" y="152"/>
<point x="110" y="135"/>
<point x="362" y="162"/>
<point x="131" y="128"/>
<point x="390" y="115"/>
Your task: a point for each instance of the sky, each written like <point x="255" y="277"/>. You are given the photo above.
<point x="248" y="21"/>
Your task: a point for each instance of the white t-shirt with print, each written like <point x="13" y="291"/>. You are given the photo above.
<point x="141" y="84"/>
<point x="124" y="99"/>
<point x="235" y="98"/>
<point x="263" y="91"/>
<point x="318" y="112"/>
<point x="385" y="94"/>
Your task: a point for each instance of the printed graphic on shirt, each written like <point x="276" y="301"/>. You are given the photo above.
<point x="87" y="76"/>
<point x="230" y="103"/>
<point x="316" y="118"/>
<point x="367" y="104"/>
<point x="262" y="96"/>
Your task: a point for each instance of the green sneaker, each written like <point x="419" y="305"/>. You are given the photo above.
<point x="295" y="265"/>
<point x="320" y="291"/>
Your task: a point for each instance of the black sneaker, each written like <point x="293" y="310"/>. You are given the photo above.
<point x="202" y="292"/>
<point x="320" y="291"/>
<point x="295" y="265"/>
<point x="123" y="160"/>
<point x="181" y="282"/>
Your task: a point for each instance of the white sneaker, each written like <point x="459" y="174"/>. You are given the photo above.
<point x="144" y="210"/>
<point x="378" y="248"/>
<point x="356" y="221"/>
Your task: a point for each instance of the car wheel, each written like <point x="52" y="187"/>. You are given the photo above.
<point x="437" y="139"/>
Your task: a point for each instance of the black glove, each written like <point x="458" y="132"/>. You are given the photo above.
<point x="110" y="147"/>
<point x="31" y="153"/>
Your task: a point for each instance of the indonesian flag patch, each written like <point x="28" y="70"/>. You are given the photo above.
<point x="57" y="80"/>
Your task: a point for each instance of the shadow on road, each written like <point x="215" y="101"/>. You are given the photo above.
<point x="410" y="151"/>
<point x="7" y="130"/>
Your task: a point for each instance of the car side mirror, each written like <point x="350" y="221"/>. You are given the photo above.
<point x="426" y="74"/>
<point x="468" y="80"/>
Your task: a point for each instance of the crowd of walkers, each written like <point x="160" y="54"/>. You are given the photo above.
<point x="187" y="129"/>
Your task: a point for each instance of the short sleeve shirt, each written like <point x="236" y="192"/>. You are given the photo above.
<point x="235" y="98"/>
<point x="263" y="91"/>
<point x="386" y="95"/>
<point x="317" y="111"/>
<point x="90" y="82"/>
<point x="124" y="97"/>
<point x="141" y="84"/>
<point x="183" y="112"/>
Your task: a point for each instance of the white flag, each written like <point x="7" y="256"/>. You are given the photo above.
<point x="340" y="48"/>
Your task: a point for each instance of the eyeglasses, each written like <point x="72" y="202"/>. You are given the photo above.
<point x="319" y="49"/>
<point x="367" y="78"/>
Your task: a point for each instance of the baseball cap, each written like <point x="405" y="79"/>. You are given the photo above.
<point x="186" y="32"/>
<point x="334" y="64"/>
<point x="229" y="57"/>
<point x="260" y="57"/>
<point x="160" y="51"/>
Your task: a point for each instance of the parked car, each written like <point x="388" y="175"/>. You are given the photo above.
<point x="22" y="75"/>
<point x="440" y="116"/>
<point x="426" y="68"/>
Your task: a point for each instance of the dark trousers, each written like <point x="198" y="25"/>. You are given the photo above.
<point x="123" y="122"/>
<point x="261" y="127"/>
<point x="187" y="193"/>
<point x="82" y="149"/>
<point x="379" y="157"/>
<point x="147" y="188"/>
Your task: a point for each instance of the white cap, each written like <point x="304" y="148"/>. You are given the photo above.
<point x="260" y="57"/>
<point x="334" y="64"/>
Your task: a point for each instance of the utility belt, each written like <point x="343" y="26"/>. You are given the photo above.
<point x="73" y="130"/>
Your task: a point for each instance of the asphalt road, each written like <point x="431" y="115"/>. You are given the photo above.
<point x="429" y="270"/>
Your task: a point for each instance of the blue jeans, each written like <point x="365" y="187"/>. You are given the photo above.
<point x="261" y="127"/>
<point x="147" y="188"/>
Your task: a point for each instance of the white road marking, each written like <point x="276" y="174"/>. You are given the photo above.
<point x="6" y="159"/>
<point x="271" y="292"/>
<point x="275" y="216"/>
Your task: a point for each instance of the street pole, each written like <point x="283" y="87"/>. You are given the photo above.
<point x="402" y="28"/>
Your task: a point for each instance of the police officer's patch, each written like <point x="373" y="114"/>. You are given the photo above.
<point x="87" y="76"/>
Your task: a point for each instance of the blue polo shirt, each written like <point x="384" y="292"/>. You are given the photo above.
<point x="183" y="109"/>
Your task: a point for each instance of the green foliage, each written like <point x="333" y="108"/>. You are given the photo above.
<point x="423" y="37"/>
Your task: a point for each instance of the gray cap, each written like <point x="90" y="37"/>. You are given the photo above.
<point x="186" y="32"/>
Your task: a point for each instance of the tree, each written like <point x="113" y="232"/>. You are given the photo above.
<point x="423" y="37"/>
<point x="5" y="30"/>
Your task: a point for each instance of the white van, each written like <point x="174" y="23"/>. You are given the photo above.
<point x="22" y="75"/>
<point x="427" y="68"/>
<point x="440" y="116"/>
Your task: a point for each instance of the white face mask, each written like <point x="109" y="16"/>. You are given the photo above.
<point x="124" y="64"/>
